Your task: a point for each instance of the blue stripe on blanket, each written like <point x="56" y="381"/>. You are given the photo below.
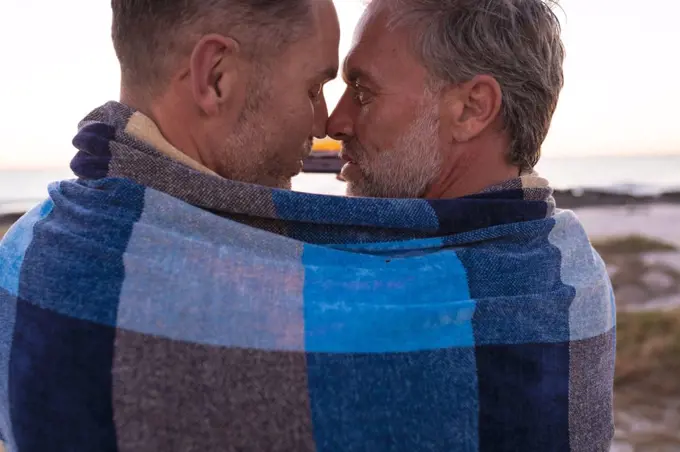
<point x="249" y="319"/>
<point x="242" y="289"/>
<point x="521" y="337"/>
<point x="394" y="402"/>
<point x="17" y="241"/>
<point x="523" y="397"/>
<point x="403" y="247"/>
<point x="385" y="213"/>
<point x="174" y="219"/>
<point x="60" y="380"/>
<point x="8" y="307"/>
<point x="465" y="214"/>
<point x="363" y="304"/>
<point x="60" y="327"/>
<point x="516" y="308"/>
<point x="588" y="315"/>
<point x="12" y="257"/>
<point x="88" y="258"/>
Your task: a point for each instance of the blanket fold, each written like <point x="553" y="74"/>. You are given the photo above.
<point x="151" y="305"/>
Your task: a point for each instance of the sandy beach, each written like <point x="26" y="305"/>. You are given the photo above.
<point x="655" y="220"/>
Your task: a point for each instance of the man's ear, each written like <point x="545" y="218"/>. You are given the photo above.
<point x="214" y="72"/>
<point x="471" y="107"/>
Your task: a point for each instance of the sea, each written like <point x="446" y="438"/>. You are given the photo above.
<point x="21" y="189"/>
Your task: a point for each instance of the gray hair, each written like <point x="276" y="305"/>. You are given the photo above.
<point x="150" y="35"/>
<point x="515" y="41"/>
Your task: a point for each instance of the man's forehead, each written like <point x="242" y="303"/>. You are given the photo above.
<point x="325" y="57"/>
<point x="377" y="51"/>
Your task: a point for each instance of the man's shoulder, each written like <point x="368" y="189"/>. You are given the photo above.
<point x="20" y="233"/>
<point x="15" y="244"/>
<point x="567" y="223"/>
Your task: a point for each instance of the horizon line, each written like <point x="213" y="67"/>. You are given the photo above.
<point x="65" y="166"/>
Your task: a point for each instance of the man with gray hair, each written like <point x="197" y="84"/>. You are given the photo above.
<point x="447" y="97"/>
<point x="213" y="94"/>
<point x="450" y="101"/>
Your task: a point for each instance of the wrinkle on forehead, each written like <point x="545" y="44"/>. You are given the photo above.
<point x="383" y="52"/>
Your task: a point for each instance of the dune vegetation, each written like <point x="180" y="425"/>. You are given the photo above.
<point x="646" y="383"/>
<point x="648" y="353"/>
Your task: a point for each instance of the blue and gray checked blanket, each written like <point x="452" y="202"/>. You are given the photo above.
<point x="149" y="306"/>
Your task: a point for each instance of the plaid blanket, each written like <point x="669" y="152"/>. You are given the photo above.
<point x="152" y="306"/>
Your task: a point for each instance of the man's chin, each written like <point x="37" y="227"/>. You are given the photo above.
<point x="282" y="182"/>
<point x="286" y="185"/>
<point x="357" y="189"/>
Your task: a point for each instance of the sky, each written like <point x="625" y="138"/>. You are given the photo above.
<point x="621" y="94"/>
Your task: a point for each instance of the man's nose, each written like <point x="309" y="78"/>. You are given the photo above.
<point x="340" y="125"/>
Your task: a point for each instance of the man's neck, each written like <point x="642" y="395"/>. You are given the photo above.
<point x="149" y="126"/>
<point x="470" y="172"/>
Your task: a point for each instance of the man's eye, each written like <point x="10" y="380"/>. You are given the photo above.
<point x="361" y="97"/>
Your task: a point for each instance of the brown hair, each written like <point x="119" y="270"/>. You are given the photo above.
<point x="149" y="36"/>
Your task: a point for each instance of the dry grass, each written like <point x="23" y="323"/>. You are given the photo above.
<point x="646" y="383"/>
<point x="648" y="343"/>
<point x="648" y="352"/>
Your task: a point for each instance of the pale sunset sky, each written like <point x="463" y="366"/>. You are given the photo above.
<point x="621" y="96"/>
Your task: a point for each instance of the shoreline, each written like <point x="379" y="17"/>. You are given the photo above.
<point x="575" y="199"/>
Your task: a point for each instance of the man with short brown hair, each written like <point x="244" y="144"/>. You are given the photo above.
<point x="220" y="101"/>
<point x="219" y="76"/>
<point x="447" y="97"/>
